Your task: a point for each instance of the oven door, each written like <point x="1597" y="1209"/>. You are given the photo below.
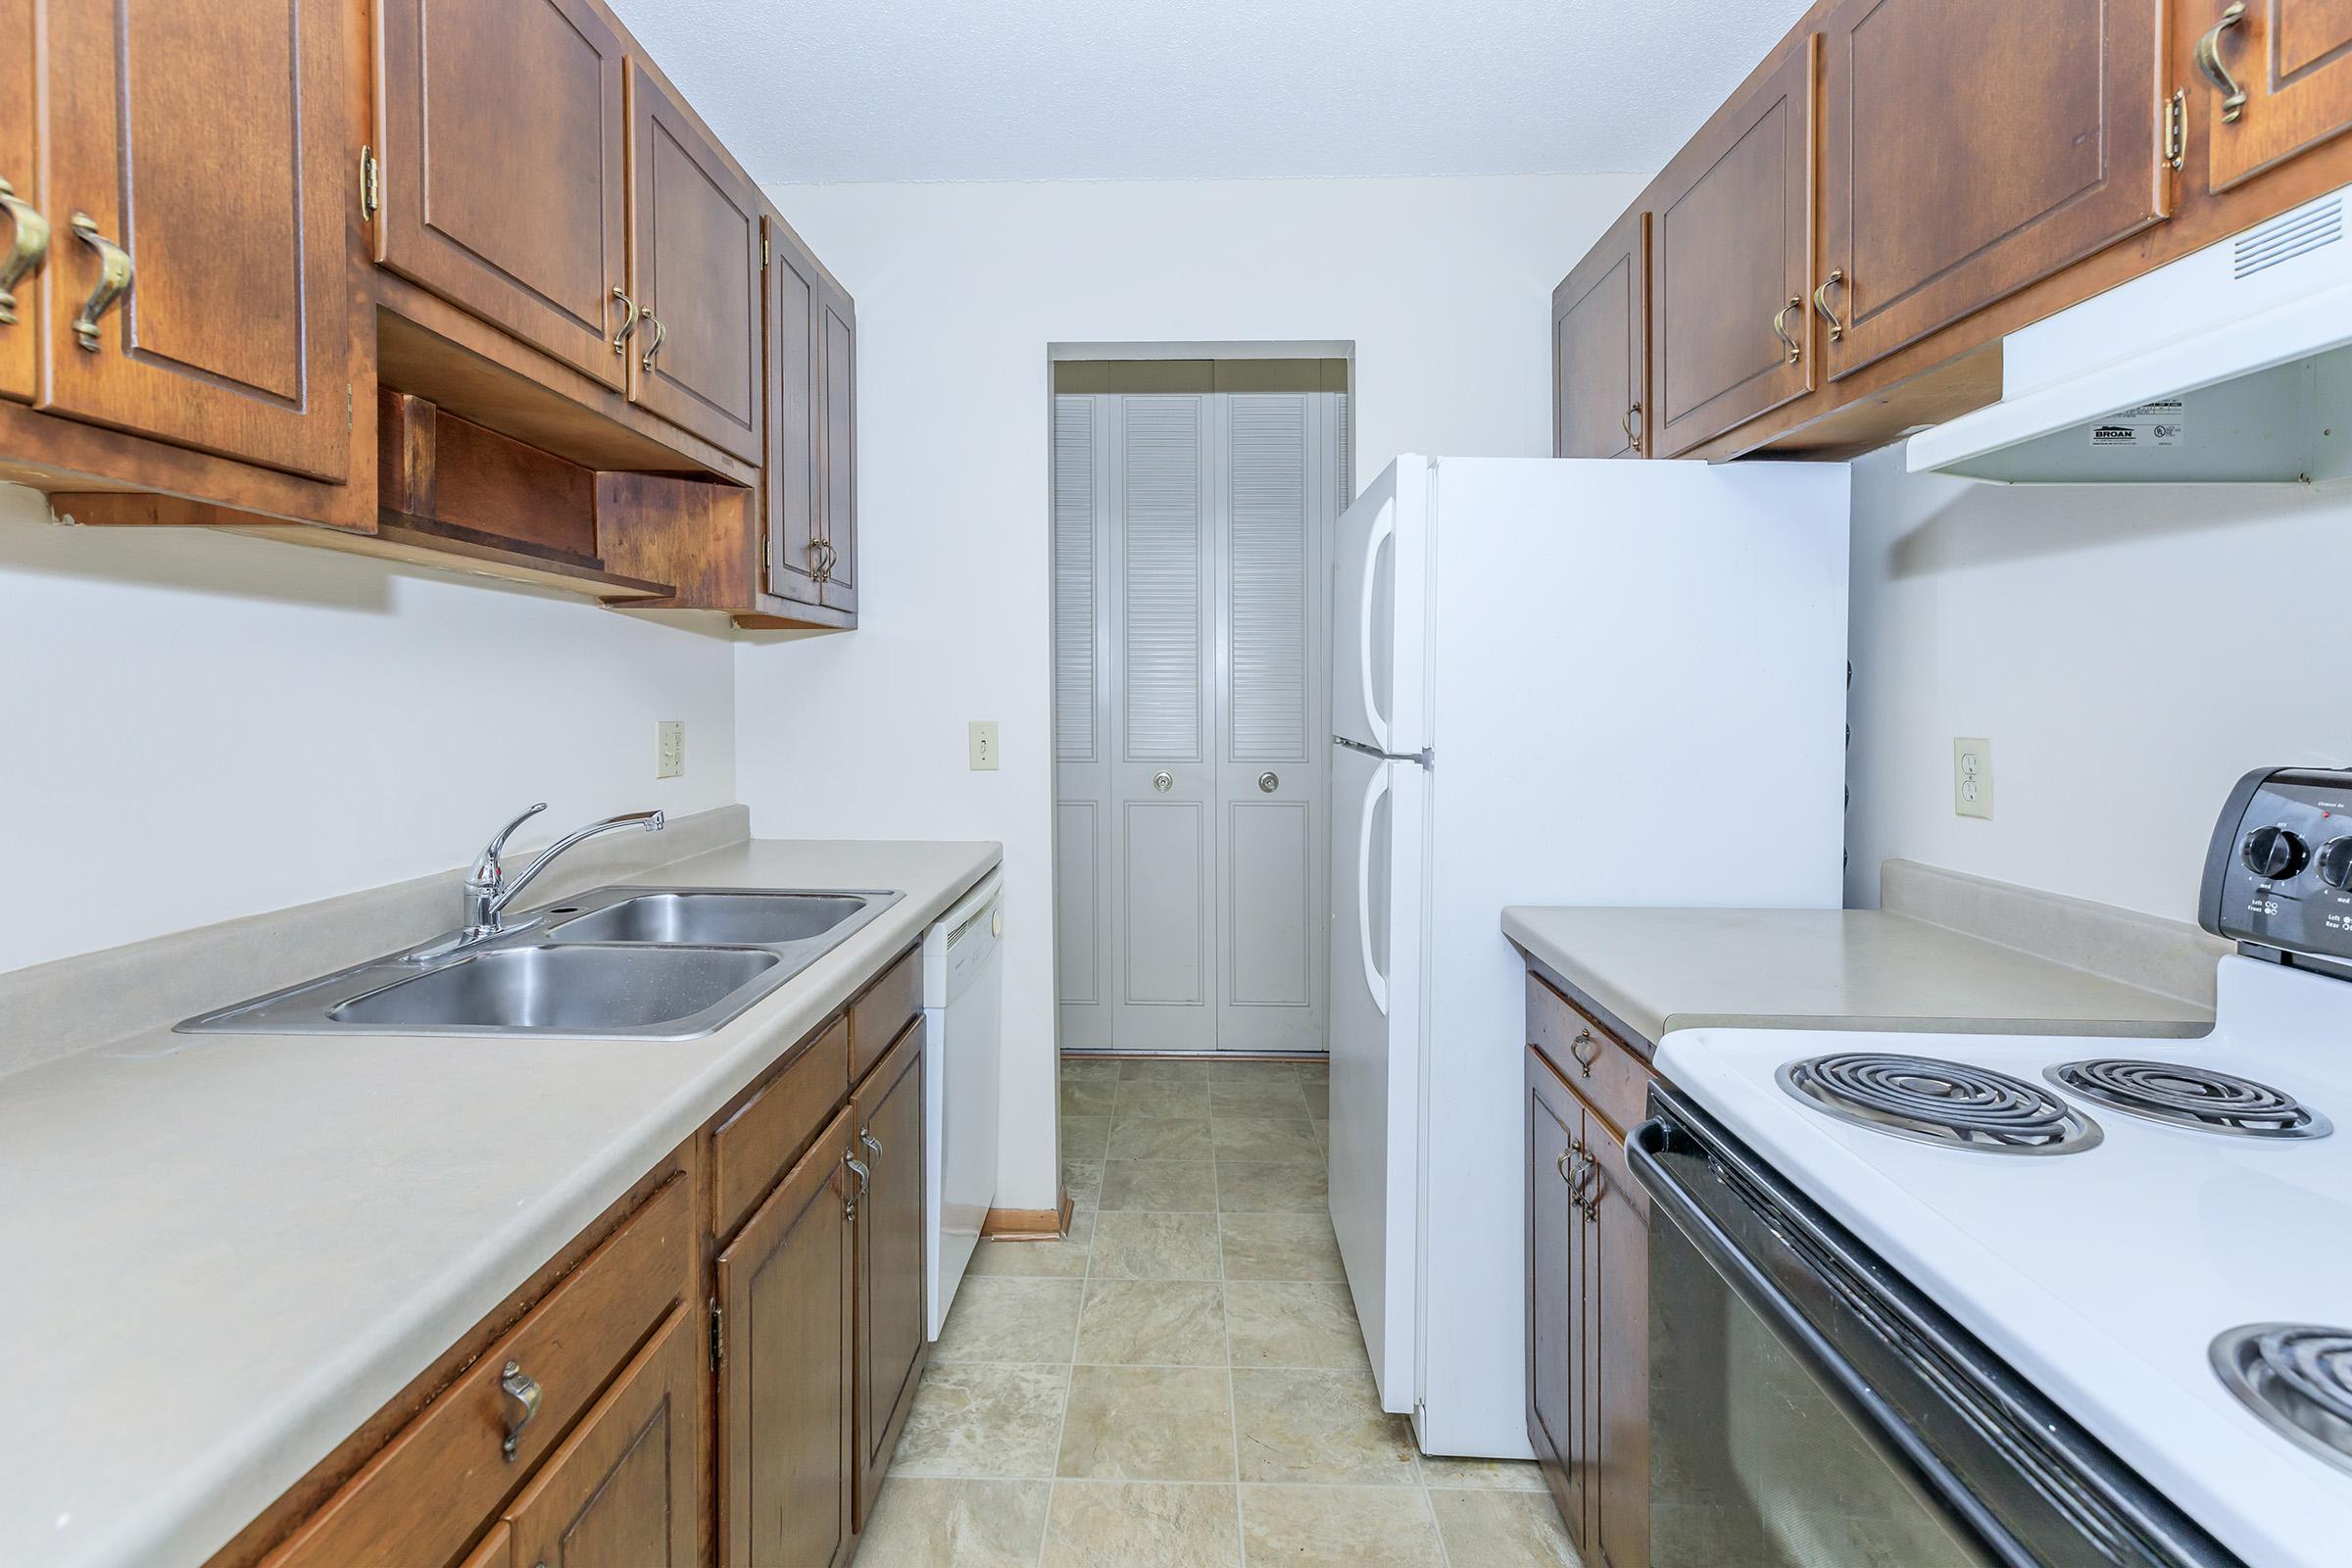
<point x="1810" y="1409"/>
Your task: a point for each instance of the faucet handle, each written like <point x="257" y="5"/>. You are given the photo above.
<point x="487" y="865"/>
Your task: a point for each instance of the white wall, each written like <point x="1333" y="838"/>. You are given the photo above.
<point x="1444" y="285"/>
<point x="201" y="725"/>
<point x="2130" y="653"/>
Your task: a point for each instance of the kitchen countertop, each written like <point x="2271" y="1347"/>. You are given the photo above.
<point x="223" y="1252"/>
<point x="1652" y="971"/>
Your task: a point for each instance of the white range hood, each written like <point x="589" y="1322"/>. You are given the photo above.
<point x="2232" y="365"/>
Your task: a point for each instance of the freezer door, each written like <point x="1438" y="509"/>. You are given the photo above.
<point x="1379" y="613"/>
<point x="1376" y="964"/>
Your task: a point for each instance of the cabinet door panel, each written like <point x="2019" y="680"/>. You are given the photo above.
<point x="785" y="1380"/>
<point x="1618" y="1234"/>
<point x="1599" y="347"/>
<point x="501" y="130"/>
<point x="1729" y="247"/>
<point x="2293" y="60"/>
<point x="694" y="267"/>
<point x="838" y="345"/>
<point x="795" y="397"/>
<point x="208" y="143"/>
<point x="622" y="1492"/>
<point x="1973" y="150"/>
<point x="890" y="1345"/>
<point x="1557" y="1421"/>
<point x="19" y="338"/>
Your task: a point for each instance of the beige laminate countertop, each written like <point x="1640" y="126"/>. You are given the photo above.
<point x="220" y="1253"/>
<point x="1658" y="971"/>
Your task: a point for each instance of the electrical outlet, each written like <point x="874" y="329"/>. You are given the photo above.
<point x="670" y="748"/>
<point x="1972" y="776"/>
<point x="984" y="745"/>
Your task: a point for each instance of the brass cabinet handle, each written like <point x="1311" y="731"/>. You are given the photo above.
<point x="874" y="1145"/>
<point x="832" y="560"/>
<point x="1779" y="329"/>
<point x="1625" y="423"/>
<point x="1821" y="303"/>
<point x="2209" y="60"/>
<point x="655" y="347"/>
<point x="1567" y="1155"/>
<point x="629" y="316"/>
<point x="1596" y="1183"/>
<point x="115" y="275"/>
<point x="1576" y="1048"/>
<point x="25" y="253"/>
<point x="521" y="1393"/>
<point x="865" y="1182"/>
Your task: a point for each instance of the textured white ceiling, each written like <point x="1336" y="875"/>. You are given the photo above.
<point x="1107" y="89"/>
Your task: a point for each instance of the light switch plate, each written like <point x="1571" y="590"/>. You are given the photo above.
<point x="984" y="745"/>
<point x="1972" y="775"/>
<point x="670" y="748"/>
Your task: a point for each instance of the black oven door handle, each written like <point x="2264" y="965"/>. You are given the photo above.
<point x="1863" y="1402"/>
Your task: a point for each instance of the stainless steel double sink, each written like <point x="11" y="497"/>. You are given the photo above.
<point x="628" y="963"/>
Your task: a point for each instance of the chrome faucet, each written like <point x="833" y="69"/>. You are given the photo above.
<point x="489" y="890"/>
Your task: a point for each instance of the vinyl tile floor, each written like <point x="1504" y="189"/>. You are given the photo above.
<point x="1182" y="1383"/>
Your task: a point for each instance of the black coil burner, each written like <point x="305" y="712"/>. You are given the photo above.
<point x="1950" y="1103"/>
<point x="2183" y="1096"/>
<point x="2298" y="1378"/>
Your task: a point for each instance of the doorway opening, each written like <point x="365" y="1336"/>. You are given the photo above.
<point x="1193" y="497"/>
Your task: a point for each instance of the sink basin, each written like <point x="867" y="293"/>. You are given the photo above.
<point x="564" y="990"/>
<point x="723" y="920"/>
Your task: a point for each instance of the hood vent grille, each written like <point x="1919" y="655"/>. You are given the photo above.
<point x="2283" y="239"/>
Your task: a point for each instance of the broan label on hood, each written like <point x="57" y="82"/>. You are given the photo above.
<point x="2163" y="423"/>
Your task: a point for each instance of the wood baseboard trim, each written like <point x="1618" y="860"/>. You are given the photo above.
<point x="1029" y="1224"/>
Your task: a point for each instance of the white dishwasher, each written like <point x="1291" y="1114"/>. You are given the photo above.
<point x="964" y="1021"/>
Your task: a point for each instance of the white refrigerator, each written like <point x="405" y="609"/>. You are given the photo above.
<point x="1552" y="682"/>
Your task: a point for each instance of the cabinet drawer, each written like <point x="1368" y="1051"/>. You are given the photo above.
<point x="1605" y="1072"/>
<point x="435" y="1485"/>
<point x="752" y="1147"/>
<point x="883" y="1013"/>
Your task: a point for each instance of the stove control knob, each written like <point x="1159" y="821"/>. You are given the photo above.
<point x="2275" y="854"/>
<point x="2335" y="862"/>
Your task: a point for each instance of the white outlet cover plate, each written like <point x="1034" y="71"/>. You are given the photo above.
<point x="1972" y="775"/>
<point x="670" y="748"/>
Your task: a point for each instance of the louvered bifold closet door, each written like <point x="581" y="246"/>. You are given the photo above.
<point x="1082" y="812"/>
<point x="1275" y="500"/>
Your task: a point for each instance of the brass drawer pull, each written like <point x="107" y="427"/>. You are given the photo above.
<point x="1625" y="423"/>
<point x="1821" y="303"/>
<point x="2209" y="60"/>
<point x="521" y="1391"/>
<point x="25" y="253"/>
<point x="115" y="275"/>
<point x="1596" y="1183"/>
<point x="1576" y="1048"/>
<point x="661" y="332"/>
<point x="630" y="314"/>
<point x="1780" y="330"/>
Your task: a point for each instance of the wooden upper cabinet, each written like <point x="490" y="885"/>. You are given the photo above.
<point x="1600" y="347"/>
<point x="786" y="1389"/>
<point x="794" y="437"/>
<point x="890" y="1305"/>
<point x="1971" y="150"/>
<point x="837" y="353"/>
<point x="22" y="249"/>
<point x="196" y="288"/>
<point x="2291" y="59"/>
<point x="1730" y="245"/>
<point x="499" y="128"/>
<point x="623" y="1491"/>
<point x="694" y="270"/>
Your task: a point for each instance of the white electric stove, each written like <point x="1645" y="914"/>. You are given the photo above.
<point x="2145" y="1247"/>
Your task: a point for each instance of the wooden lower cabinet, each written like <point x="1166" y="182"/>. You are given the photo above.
<point x="714" y="1376"/>
<point x="787" y="1381"/>
<point x="1588" y="1299"/>
<point x="623" y="1491"/>
<point x="891" y="1306"/>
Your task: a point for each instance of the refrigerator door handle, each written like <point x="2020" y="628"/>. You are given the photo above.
<point x="1384" y="530"/>
<point x="1374" y="981"/>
